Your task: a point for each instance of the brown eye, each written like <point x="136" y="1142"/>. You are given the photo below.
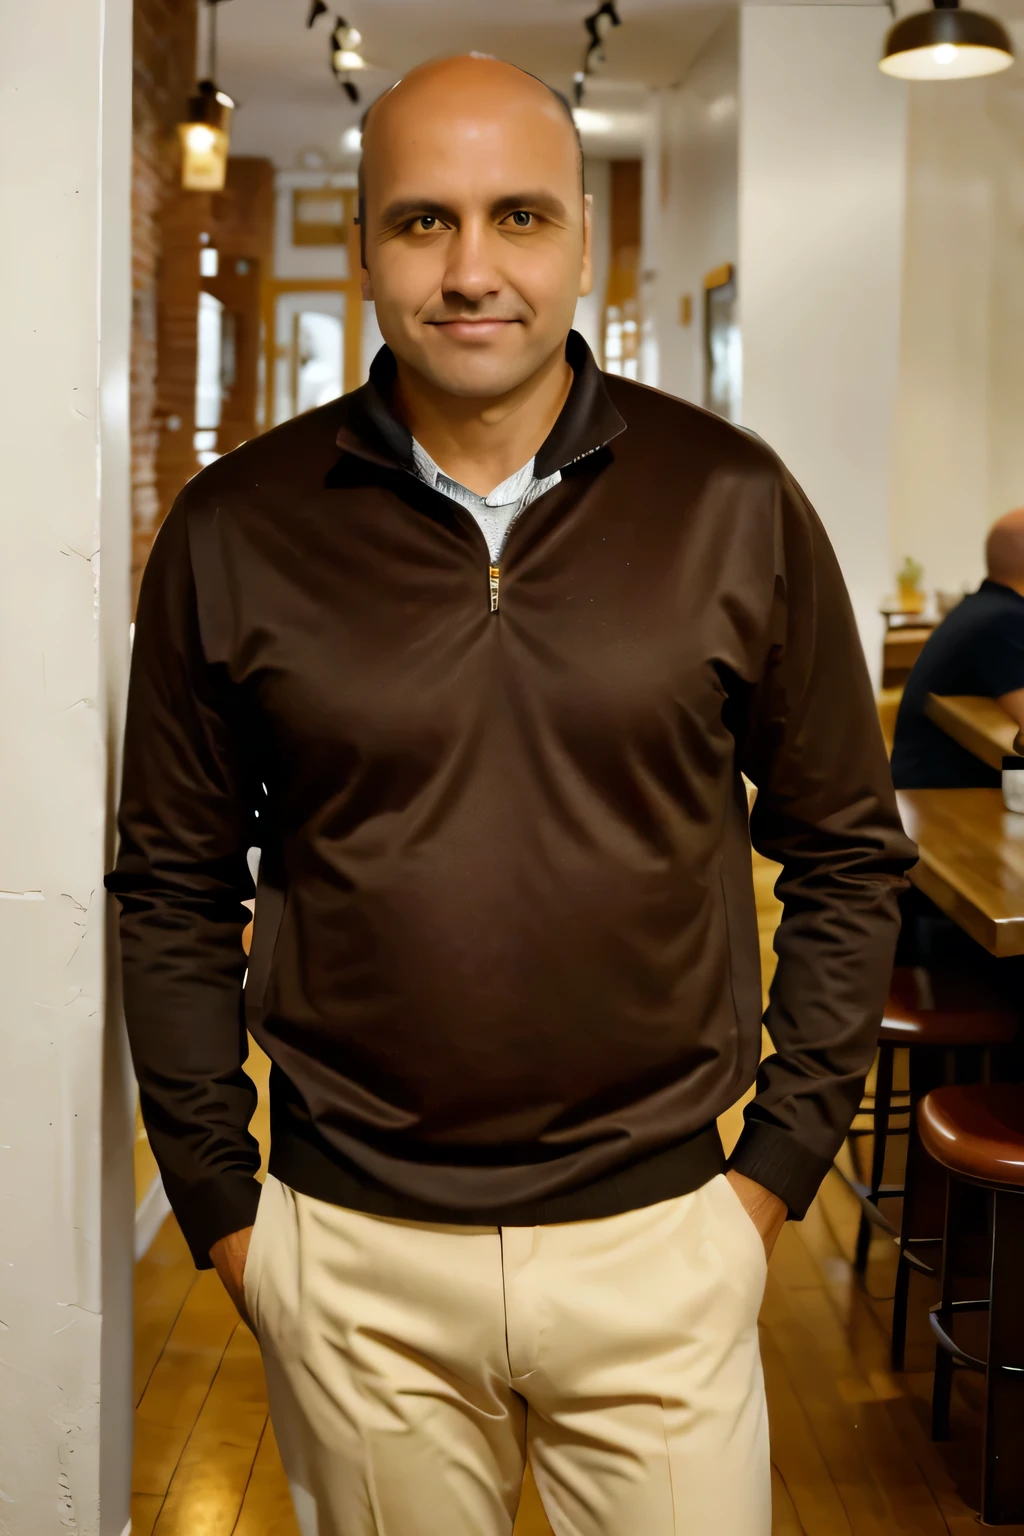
<point x="427" y="221"/>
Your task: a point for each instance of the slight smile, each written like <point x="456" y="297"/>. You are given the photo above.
<point x="472" y="330"/>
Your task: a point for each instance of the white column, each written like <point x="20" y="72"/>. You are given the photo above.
<point x="650" y="240"/>
<point x="959" y="434"/>
<point x="66" y="1205"/>
<point x="822" y="170"/>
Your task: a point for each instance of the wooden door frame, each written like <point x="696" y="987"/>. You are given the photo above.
<point x="351" y="290"/>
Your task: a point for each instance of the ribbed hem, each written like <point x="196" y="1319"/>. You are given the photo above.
<point x="773" y="1157"/>
<point x="212" y="1210"/>
<point x="310" y="1169"/>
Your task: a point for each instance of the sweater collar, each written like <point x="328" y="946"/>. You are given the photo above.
<point x="587" y="421"/>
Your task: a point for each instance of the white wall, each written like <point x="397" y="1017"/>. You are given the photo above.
<point x="282" y="130"/>
<point x="959" y="458"/>
<point x="699" y="180"/>
<point x="66" y="1102"/>
<point x="306" y="261"/>
<point x="822" y="158"/>
<point x="589" y="320"/>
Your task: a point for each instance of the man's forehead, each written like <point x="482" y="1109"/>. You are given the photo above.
<point x="477" y="81"/>
<point x="488" y="154"/>
<point x="462" y="102"/>
<point x="409" y="133"/>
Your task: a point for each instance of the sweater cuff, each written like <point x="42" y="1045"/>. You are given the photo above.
<point x="209" y="1211"/>
<point x="773" y="1157"/>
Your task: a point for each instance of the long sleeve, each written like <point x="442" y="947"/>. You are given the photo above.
<point x="185" y="822"/>
<point x="826" y="811"/>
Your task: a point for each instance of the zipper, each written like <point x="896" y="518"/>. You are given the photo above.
<point x="494" y="571"/>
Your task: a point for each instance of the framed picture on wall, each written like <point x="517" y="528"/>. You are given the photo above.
<point x="723" y="353"/>
<point x="320" y="215"/>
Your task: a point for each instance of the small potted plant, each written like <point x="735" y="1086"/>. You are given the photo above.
<point x="908" y="582"/>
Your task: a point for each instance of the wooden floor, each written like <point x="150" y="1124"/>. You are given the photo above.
<point x="851" y="1455"/>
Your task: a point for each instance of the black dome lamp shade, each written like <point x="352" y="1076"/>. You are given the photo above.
<point x="946" y="43"/>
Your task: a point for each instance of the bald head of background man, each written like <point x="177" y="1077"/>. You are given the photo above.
<point x="476" y="235"/>
<point x="1004" y="550"/>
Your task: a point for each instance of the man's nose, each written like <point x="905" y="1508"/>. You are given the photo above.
<point x="471" y="270"/>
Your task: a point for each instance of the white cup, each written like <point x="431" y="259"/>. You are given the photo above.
<point x="1013" y="784"/>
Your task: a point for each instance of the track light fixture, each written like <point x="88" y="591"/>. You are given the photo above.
<point x="598" y="26"/>
<point x="205" y="133"/>
<point x="316" y="10"/>
<point x="345" y="56"/>
<point x="602" y="21"/>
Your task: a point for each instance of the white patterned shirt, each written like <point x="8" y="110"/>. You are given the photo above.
<point x="495" y="513"/>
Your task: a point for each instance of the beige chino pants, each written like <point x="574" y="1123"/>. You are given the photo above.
<point x="413" y="1369"/>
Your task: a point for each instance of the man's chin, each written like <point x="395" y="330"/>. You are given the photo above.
<point x="477" y="372"/>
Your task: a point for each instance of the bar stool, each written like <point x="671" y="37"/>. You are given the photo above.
<point x="976" y="1134"/>
<point x="933" y="1014"/>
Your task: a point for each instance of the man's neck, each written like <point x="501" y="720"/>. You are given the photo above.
<point x="479" y="443"/>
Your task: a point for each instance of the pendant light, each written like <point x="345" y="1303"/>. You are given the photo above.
<point x="205" y="135"/>
<point x="946" y="43"/>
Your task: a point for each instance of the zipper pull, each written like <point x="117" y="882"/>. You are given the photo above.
<point x="493" y="574"/>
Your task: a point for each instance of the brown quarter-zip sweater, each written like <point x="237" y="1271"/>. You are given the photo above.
<point x="505" y="961"/>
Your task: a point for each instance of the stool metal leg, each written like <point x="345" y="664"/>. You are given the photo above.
<point x="883" y="1102"/>
<point x="916" y="1199"/>
<point x="900" y="1302"/>
<point x="1002" y="1497"/>
<point x="942" y="1386"/>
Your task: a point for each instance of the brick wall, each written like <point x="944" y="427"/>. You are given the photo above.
<point x="164" y="77"/>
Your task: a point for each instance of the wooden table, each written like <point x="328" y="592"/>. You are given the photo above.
<point x="902" y="645"/>
<point x="977" y="724"/>
<point x="972" y="861"/>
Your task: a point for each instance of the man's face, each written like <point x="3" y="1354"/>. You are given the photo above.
<point x="477" y="237"/>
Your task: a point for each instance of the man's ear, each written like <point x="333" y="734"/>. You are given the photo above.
<point x="587" y="268"/>
<point x="365" y="284"/>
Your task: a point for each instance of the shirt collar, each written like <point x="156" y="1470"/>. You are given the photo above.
<point x="587" y="421"/>
<point x="508" y="493"/>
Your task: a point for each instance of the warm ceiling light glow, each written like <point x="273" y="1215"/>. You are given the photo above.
<point x="205" y="139"/>
<point x="946" y="44"/>
<point x="346" y="58"/>
<point x="199" y="140"/>
<point x="351" y="141"/>
<point x="205" y="134"/>
<point x="589" y="121"/>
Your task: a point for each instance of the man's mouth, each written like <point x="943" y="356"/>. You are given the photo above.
<point x="473" y="328"/>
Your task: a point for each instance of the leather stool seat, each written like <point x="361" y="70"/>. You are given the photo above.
<point x="930" y="1008"/>
<point x="976" y="1132"/>
<point x="939" y="1016"/>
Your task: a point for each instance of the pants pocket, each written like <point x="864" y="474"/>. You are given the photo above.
<point x="748" y="1238"/>
<point x="254" y="1257"/>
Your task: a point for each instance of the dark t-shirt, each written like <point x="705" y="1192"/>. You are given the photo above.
<point x="979" y="649"/>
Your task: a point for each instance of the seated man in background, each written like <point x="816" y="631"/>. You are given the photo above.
<point x="977" y="649"/>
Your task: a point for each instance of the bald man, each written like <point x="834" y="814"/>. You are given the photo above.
<point x="977" y="649"/>
<point x="478" y="656"/>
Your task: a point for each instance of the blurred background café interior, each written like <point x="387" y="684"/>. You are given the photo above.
<point x="827" y="252"/>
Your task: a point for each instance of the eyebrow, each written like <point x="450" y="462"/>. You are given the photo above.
<point x="411" y="207"/>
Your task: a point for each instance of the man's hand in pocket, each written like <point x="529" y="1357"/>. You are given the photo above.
<point x="766" y="1211"/>
<point x="229" y="1255"/>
